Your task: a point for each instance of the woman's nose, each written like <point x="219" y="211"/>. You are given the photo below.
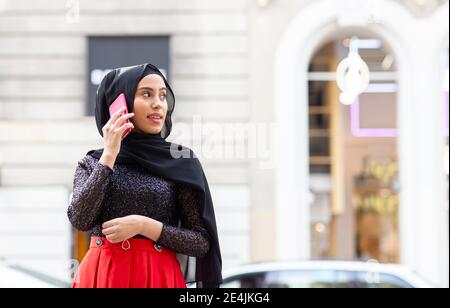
<point x="156" y="103"/>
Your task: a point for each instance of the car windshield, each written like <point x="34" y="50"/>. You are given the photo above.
<point x="322" y="278"/>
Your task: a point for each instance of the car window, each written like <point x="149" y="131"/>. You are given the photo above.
<point x="315" y="279"/>
<point x="254" y="280"/>
<point x="301" y="279"/>
<point x="382" y="280"/>
<point x="295" y="279"/>
<point x="347" y="279"/>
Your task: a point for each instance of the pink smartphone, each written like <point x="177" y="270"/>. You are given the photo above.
<point x="116" y="105"/>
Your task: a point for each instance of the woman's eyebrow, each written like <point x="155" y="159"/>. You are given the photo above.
<point x="148" y="88"/>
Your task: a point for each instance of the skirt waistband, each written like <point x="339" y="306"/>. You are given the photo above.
<point x="131" y="244"/>
<point x="135" y="263"/>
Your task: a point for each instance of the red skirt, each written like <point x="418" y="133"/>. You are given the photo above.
<point x="135" y="263"/>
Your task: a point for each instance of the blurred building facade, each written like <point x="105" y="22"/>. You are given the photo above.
<point x="345" y="182"/>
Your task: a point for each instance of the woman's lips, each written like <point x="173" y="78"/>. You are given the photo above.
<point x="155" y="118"/>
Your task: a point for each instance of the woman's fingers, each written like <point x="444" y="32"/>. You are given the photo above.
<point x="109" y="231"/>
<point x="124" y="127"/>
<point x="121" y="119"/>
<point x="110" y="223"/>
<point x="115" y="115"/>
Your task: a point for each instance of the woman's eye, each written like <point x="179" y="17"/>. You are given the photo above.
<point x="163" y="97"/>
<point x="146" y="94"/>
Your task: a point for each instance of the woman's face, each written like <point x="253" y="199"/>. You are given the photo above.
<point x="150" y="105"/>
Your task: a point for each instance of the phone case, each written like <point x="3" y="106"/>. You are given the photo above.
<point x="116" y="105"/>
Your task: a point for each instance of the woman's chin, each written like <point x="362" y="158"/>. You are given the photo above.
<point x="153" y="131"/>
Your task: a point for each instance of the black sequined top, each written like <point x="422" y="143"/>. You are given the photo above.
<point x="101" y="194"/>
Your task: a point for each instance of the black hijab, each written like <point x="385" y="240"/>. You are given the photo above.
<point x="167" y="160"/>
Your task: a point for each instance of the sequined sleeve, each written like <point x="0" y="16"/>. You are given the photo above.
<point x="89" y="188"/>
<point x="191" y="237"/>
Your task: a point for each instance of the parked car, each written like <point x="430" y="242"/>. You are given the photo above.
<point x="20" y="277"/>
<point x="322" y="274"/>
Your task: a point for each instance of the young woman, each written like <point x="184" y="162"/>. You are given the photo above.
<point x="145" y="201"/>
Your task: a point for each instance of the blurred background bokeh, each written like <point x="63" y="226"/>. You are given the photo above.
<point x="309" y="153"/>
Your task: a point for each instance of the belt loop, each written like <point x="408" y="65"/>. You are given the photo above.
<point x="128" y="246"/>
<point x="158" y="247"/>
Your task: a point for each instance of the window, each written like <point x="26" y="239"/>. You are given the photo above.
<point x="254" y="280"/>
<point x="378" y="281"/>
<point x="106" y="53"/>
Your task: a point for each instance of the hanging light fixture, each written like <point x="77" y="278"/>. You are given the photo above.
<point x="263" y="3"/>
<point x="352" y="75"/>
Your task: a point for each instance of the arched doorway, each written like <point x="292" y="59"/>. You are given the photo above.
<point x="422" y="217"/>
<point x="353" y="160"/>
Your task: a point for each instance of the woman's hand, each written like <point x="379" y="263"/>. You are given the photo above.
<point x="112" y="137"/>
<point x="121" y="229"/>
<point x="113" y="131"/>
